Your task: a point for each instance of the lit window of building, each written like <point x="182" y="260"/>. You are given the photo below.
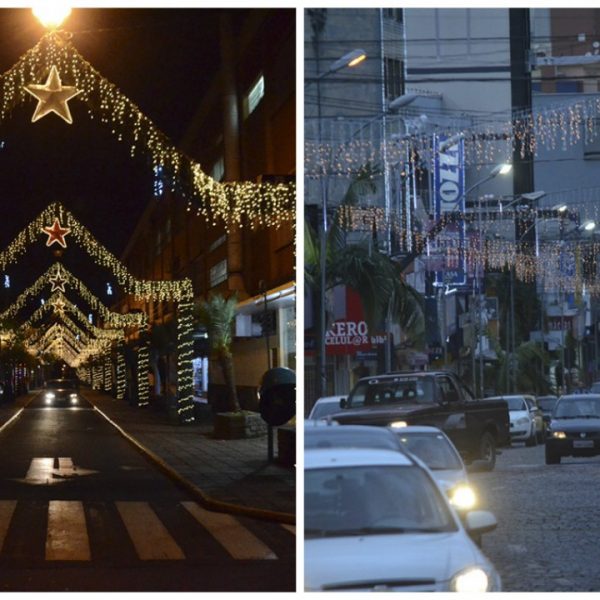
<point x="218" y="170"/>
<point x="254" y="96"/>
<point x="218" y="273"/>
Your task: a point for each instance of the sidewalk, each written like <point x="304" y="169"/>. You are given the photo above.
<point x="233" y="471"/>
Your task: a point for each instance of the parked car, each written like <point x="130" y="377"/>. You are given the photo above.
<point x="375" y="520"/>
<point x="526" y="421"/>
<point x="433" y="398"/>
<point x="574" y="428"/>
<point x="538" y="417"/>
<point x="434" y="448"/>
<point x="61" y="392"/>
<point x="325" y="406"/>
<point x="547" y="404"/>
<point x="595" y="388"/>
<point x="320" y="434"/>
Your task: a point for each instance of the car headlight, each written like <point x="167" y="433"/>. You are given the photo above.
<point x="49" y="396"/>
<point x="522" y="421"/>
<point x="398" y="424"/>
<point x="561" y="435"/>
<point x="73" y="398"/>
<point x="462" y="497"/>
<point x="473" y="579"/>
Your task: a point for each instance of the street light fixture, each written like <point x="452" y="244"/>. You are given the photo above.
<point x="349" y="60"/>
<point x="51" y="14"/>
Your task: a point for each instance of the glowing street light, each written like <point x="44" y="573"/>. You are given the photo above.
<point x="51" y="14"/>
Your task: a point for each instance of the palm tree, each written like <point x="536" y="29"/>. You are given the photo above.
<point x="376" y="278"/>
<point x="524" y="368"/>
<point x="217" y="315"/>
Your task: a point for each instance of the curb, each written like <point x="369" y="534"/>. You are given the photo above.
<point x="208" y="502"/>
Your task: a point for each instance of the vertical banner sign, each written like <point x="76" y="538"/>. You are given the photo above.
<point x="449" y="196"/>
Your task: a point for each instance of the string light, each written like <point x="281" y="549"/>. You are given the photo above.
<point x="232" y="203"/>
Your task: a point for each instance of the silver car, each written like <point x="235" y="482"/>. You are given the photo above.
<point x="434" y="448"/>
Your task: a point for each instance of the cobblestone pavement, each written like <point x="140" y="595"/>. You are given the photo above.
<point x="548" y="521"/>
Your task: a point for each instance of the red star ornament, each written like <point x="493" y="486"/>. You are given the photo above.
<point x="56" y="233"/>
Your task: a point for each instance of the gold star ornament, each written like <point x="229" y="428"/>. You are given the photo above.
<point x="52" y="97"/>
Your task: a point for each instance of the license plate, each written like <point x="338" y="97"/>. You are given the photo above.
<point x="583" y="443"/>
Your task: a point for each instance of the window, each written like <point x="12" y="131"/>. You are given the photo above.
<point x="218" y="170"/>
<point x="218" y="242"/>
<point x="394" y="13"/>
<point x="394" y="81"/>
<point x="591" y="142"/>
<point x="218" y="273"/>
<point x="254" y="96"/>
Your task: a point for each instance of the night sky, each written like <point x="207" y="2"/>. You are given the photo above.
<point x="163" y="60"/>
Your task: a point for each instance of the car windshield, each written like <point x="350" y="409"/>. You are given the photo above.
<point x="322" y="409"/>
<point x="547" y="404"/>
<point x="342" y="437"/>
<point x="60" y="384"/>
<point x="411" y="390"/>
<point x="373" y="500"/>
<point x="434" y="449"/>
<point x="515" y="402"/>
<point x="575" y="408"/>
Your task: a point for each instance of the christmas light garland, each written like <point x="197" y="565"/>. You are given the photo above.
<point x="255" y="204"/>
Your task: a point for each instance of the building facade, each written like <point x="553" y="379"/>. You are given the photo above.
<point x="244" y="129"/>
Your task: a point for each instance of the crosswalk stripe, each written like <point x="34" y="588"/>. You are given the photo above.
<point x="67" y="537"/>
<point x="7" y="508"/>
<point x="230" y="533"/>
<point x="149" y="536"/>
<point x="290" y="528"/>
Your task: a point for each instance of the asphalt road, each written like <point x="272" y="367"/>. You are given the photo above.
<point x="548" y="521"/>
<point x="82" y="510"/>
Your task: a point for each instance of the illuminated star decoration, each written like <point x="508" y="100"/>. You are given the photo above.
<point x="57" y="281"/>
<point x="52" y="96"/>
<point x="56" y="233"/>
<point x="59" y="306"/>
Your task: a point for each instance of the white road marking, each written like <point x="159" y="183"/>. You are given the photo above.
<point x="151" y="539"/>
<point x="42" y="472"/>
<point x="67" y="537"/>
<point x="230" y="533"/>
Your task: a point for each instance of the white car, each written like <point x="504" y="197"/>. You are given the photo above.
<point x="434" y="448"/>
<point x="375" y="520"/>
<point x="327" y="405"/>
<point x="523" y="419"/>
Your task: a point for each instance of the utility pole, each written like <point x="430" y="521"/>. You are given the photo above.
<point x="520" y="77"/>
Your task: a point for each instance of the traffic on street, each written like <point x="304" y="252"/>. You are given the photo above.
<point x="480" y="528"/>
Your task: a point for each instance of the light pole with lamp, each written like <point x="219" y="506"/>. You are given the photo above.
<point x="587" y="226"/>
<point x="529" y="197"/>
<point x="500" y="169"/>
<point x="350" y="59"/>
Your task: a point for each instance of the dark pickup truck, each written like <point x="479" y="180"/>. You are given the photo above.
<point x="435" y="398"/>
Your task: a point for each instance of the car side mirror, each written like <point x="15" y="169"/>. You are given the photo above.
<point x="478" y="522"/>
<point x="343" y="402"/>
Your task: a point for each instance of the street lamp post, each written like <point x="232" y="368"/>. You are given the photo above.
<point x="350" y="59"/>
<point x="587" y="225"/>
<point x="501" y="169"/>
